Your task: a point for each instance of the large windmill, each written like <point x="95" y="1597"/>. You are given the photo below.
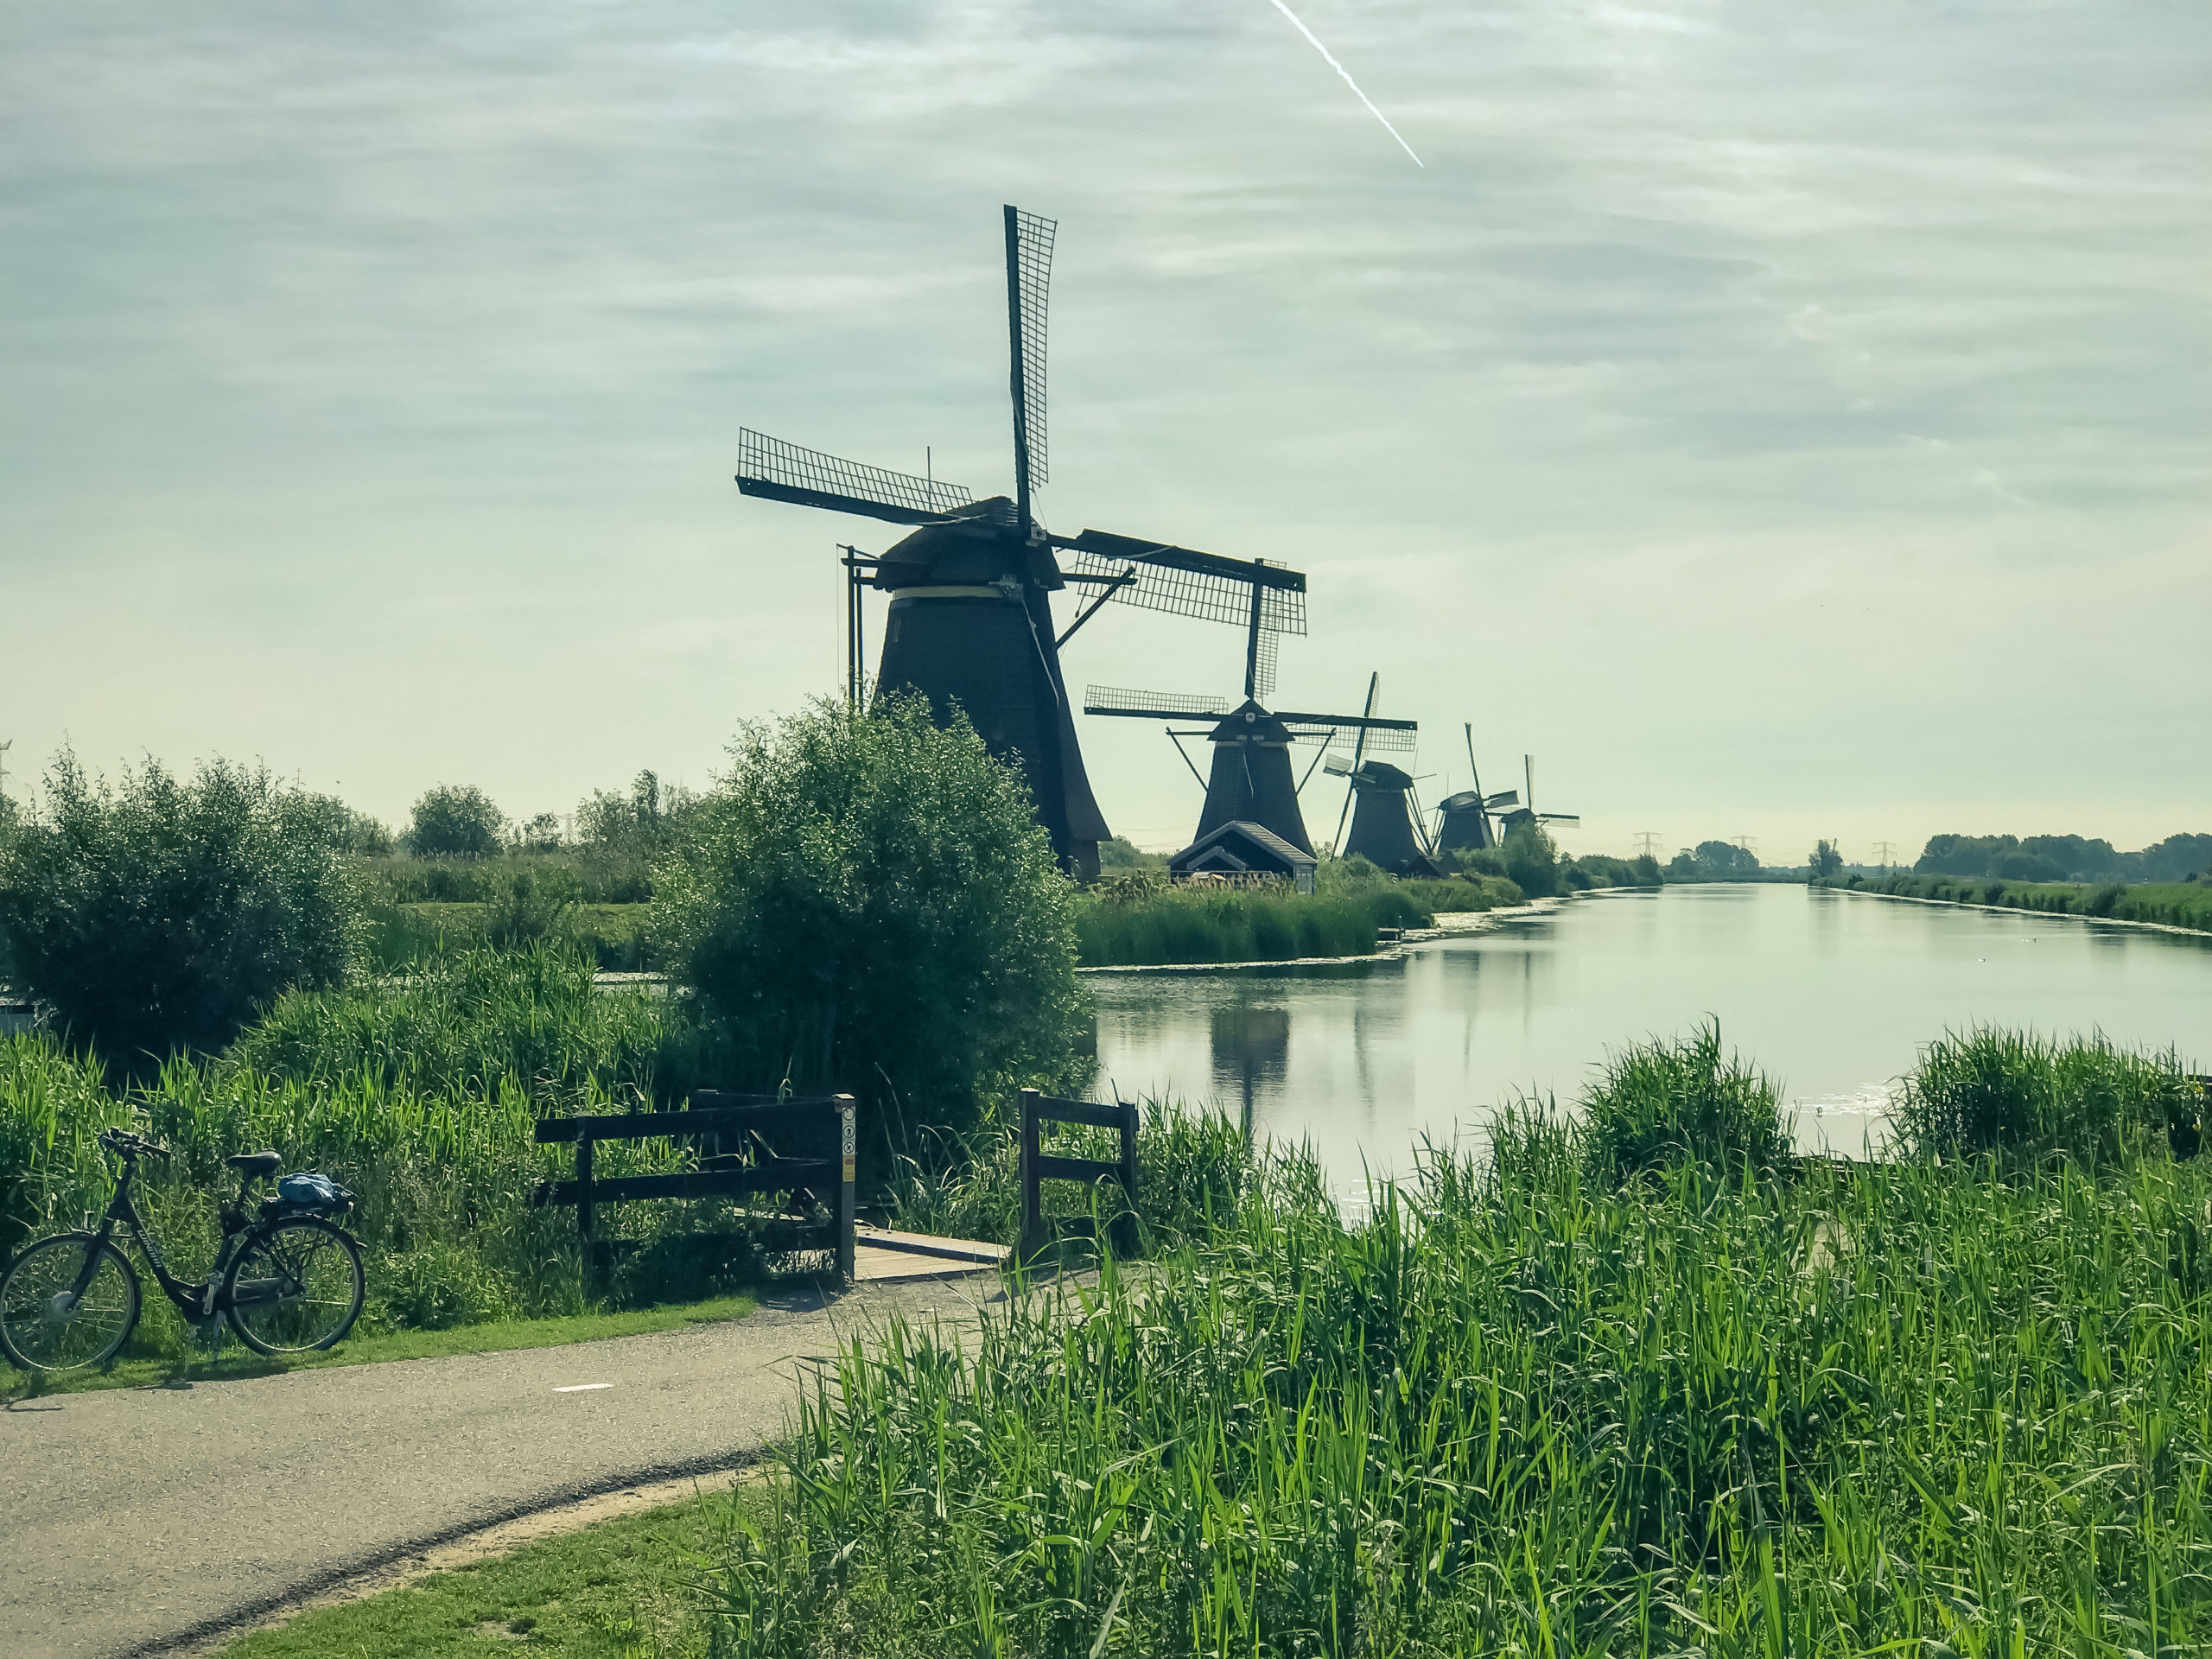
<point x="970" y="619"/>
<point x="1464" y="823"/>
<point x="1251" y="780"/>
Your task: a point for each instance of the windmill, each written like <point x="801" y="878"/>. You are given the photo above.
<point x="1385" y="825"/>
<point x="1528" y="814"/>
<point x="1464" y="820"/>
<point x="1250" y="781"/>
<point x="970" y="618"/>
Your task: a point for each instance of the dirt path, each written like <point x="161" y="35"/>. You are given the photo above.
<point x="137" y="1521"/>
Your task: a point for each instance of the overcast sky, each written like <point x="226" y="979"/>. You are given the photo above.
<point x="1781" y="424"/>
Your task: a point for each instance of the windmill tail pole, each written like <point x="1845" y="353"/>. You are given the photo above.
<point x="1358" y="751"/>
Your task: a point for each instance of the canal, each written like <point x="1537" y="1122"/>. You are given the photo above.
<point x="1832" y="993"/>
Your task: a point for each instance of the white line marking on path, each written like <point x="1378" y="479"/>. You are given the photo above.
<point x="582" y="1387"/>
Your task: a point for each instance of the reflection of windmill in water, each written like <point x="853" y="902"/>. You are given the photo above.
<point x="1251" y="823"/>
<point x="1251" y="1053"/>
<point x="970" y="621"/>
<point x="1386" y="827"/>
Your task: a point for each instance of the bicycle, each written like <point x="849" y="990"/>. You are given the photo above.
<point x="288" y="1281"/>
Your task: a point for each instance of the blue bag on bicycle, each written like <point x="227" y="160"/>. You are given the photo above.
<point x="303" y="1191"/>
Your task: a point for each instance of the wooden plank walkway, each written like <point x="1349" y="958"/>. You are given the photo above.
<point x="880" y="1253"/>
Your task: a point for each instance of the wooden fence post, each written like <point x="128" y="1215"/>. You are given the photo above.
<point x="583" y="1195"/>
<point x="1129" y="1174"/>
<point x="1033" y="1216"/>
<point x="848" y="1148"/>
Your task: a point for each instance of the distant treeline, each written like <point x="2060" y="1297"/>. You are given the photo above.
<point x="2064" y="858"/>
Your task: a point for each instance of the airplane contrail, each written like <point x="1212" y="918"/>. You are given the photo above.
<point x="1350" y="82"/>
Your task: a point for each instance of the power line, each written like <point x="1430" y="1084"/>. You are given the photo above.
<point x="1647" y="843"/>
<point x="1885" y="851"/>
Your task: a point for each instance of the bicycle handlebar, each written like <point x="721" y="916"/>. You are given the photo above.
<point x="129" y="1145"/>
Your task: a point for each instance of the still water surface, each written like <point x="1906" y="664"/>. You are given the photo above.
<point x="1831" y="993"/>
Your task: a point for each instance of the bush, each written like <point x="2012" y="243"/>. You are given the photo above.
<point x="2003" y="1091"/>
<point x="160" y="914"/>
<point x="866" y="904"/>
<point x="1664" y="1103"/>
<point x="456" y="821"/>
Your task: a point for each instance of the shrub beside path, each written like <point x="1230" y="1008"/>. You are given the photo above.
<point x="138" y="1520"/>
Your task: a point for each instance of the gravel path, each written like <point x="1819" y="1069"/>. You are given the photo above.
<point x="140" y="1519"/>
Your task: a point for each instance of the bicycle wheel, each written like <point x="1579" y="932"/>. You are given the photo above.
<point x="296" y="1287"/>
<point x="46" y="1324"/>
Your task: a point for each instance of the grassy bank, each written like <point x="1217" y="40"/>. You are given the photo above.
<point x="623" y="1589"/>
<point x="1139" y="922"/>
<point x="1647" y="1387"/>
<point x="2175" y="904"/>
<point x="614" y="936"/>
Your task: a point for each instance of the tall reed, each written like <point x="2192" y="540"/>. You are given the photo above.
<point x="1916" y="1408"/>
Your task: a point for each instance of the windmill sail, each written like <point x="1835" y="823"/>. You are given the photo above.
<point x="1028" y="284"/>
<point x="1151" y="705"/>
<point x="789" y="472"/>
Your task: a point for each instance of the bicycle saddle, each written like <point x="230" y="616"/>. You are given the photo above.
<point x="256" y="1165"/>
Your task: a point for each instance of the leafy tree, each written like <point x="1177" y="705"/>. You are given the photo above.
<point x="2025" y="865"/>
<point x="539" y="834"/>
<point x="1119" y="855"/>
<point x="455" y="820"/>
<point x="2175" y="858"/>
<point x="160" y="914"/>
<point x="1966" y="855"/>
<point x="1826" y="860"/>
<point x="1532" y="860"/>
<point x="350" y="831"/>
<point x="866" y="904"/>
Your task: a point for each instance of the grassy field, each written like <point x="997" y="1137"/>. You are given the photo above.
<point x="2176" y="904"/>
<point x="624" y="1589"/>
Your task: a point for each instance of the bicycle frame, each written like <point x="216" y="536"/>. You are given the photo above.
<point x="201" y="1300"/>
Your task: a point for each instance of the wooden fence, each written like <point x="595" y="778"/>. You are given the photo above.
<point x="1037" y="1166"/>
<point x="717" y="1122"/>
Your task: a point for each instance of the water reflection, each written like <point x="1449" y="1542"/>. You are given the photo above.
<point x="1831" y="993"/>
<point x="1252" y="1054"/>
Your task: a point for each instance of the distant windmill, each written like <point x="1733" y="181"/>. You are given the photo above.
<point x="1464" y="823"/>
<point x="970" y="621"/>
<point x="1528" y="814"/>
<point x="1250" y="781"/>
<point x="1385" y="823"/>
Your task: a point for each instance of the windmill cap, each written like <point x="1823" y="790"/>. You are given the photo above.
<point x="1465" y="801"/>
<point x="1381" y="774"/>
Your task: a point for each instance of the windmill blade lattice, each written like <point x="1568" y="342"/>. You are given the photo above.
<point x="1029" y="273"/>
<point x="1379" y="738"/>
<point x="790" y="472"/>
<point x="1117" y="700"/>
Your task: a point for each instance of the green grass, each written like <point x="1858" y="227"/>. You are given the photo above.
<point x="1137" y="921"/>
<point x="2174" y="903"/>
<point x="613" y="935"/>
<point x="144" y="1365"/>
<point x="619" y="1590"/>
